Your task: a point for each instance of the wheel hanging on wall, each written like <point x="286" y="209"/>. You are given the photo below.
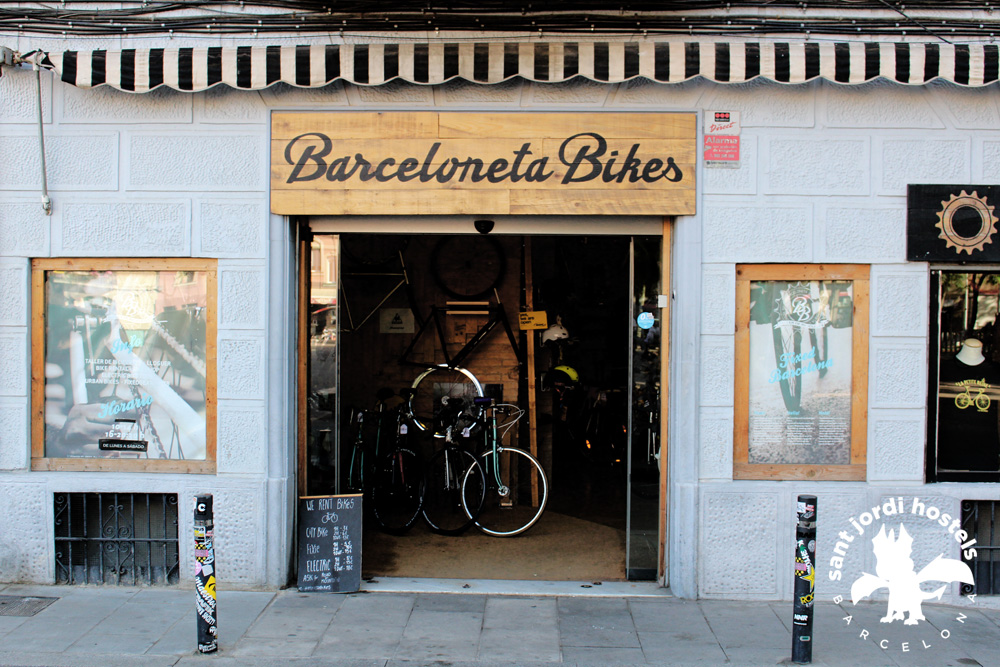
<point x="468" y="267"/>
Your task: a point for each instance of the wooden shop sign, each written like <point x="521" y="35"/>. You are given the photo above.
<point x="498" y="163"/>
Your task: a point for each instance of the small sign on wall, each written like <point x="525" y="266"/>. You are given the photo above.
<point x="722" y="139"/>
<point x="395" y="320"/>
<point x="952" y="223"/>
<point x="534" y="319"/>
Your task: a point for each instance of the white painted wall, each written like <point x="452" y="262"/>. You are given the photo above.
<point x="823" y="179"/>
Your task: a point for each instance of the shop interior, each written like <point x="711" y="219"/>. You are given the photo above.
<point x="564" y="327"/>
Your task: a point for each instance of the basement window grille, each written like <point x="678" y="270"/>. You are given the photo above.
<point x="981" y="520"/>
<point x="126" y="539"/>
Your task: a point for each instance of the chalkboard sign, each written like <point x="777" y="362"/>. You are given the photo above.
<point x="330" y="543"/>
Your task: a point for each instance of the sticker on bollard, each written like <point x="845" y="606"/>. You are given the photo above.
<point x="805" y="580"/>
<point x="204" y="575"/>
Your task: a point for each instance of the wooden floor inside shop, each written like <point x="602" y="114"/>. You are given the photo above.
<point x="558" y="548"/>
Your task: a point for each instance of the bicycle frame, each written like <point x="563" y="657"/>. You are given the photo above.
<point x="497" y="316"/>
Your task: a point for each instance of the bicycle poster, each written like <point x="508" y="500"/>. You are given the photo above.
<point x="800" y="372"/>
<point x="126" y="372"/>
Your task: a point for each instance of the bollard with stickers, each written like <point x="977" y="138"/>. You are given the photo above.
<point x="805" y="580"/>
<point x="204" y="575"/>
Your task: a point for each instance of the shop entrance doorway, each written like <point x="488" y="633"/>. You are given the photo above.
<point x="566" y="328"/>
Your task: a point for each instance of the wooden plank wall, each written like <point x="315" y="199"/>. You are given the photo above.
<point x="651" y="138"/>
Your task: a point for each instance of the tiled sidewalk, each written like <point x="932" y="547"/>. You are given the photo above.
<point x="123" y="626"/>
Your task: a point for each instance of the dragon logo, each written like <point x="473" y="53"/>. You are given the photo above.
<point x="895" y="571"/>
<point x="946" y="222"/>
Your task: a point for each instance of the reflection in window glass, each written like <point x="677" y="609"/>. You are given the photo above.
<point x="125" y="364"/>
<point x="322" y="447"/>
<point x="800" y="372"/>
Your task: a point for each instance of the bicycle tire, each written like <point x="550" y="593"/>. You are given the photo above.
<point x="396" y="490"/>
<point x="468" y="267"/>
<point x="788" y="341"/>
<point x="422" y="403"/>
<point x="442" y="506"/>
<point x="511" y="514"/>
<point x="819" y="340"/>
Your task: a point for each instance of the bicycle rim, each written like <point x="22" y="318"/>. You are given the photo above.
<point x="528" y="492"/>
<point x="443" y="494"/>
<point x="396" y="491"/>
<point x="434" y="384"/>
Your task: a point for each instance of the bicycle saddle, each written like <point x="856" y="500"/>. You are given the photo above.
<point x="384" y="393"/>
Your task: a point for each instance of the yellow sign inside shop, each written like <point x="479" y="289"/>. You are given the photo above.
<point x="431" y="163"/>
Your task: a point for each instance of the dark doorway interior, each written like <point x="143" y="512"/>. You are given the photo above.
<point x="386" y="286"/>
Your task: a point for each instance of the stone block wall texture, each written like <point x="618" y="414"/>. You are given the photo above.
<point x="822" y="178"/>
<point x="829" y="186"/>
<point x="163" y="174"/>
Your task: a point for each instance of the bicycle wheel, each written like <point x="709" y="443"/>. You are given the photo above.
<point x="396" y="491"/>
<point x="516" y="503"/>
<point x="442" y="491"/>
<point x="468" y="267"/>
<point x="787" y="348"/>
<point x="433" y="385"/>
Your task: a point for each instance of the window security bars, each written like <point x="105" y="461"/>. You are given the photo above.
<point x="981" y="520"/>
<point x="127" y="539"/>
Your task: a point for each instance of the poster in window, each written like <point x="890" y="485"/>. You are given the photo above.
<point x="126" y="364"/>
<point x="800" y="370"/>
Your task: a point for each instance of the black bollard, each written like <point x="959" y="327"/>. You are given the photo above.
<point x="204" y="575"/>
<point x="805" y="580"/>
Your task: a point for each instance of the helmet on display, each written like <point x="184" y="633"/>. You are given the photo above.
<point x="564" y="375"/>
<point x="555" y="332"/>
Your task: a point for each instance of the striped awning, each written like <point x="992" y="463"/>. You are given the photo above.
<point x="253" y="67"/>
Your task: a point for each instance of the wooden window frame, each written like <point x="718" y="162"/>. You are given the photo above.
<point x="858" y="274"/>
<point x="39" y="268"/>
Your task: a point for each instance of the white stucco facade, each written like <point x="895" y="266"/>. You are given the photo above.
<point x="823" y="177"/>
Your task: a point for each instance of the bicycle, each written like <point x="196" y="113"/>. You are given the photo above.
<point x="396" y="490"/>
<point x="512" y="481"/>
<point x="443" y="510"/>
<point x="363" y="422"/>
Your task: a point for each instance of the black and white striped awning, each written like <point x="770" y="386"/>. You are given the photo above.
<point x="252" y="68"/>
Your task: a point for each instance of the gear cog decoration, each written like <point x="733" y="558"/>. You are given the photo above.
<point x="987" y="227"/>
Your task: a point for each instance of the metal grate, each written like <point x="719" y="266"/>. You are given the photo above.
<point x="126" y="539"/>
<point x="981" y="520"/>
<point x="21" y="605"/>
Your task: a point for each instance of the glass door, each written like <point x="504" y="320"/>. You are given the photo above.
<point x="643" y="535"/>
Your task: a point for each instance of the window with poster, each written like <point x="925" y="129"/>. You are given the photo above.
<point x="123" y="364"/>
<point x="801" y="371"/>
<point x="964" y="386"/>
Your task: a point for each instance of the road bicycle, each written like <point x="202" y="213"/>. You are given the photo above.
<point x="366" y="431"/>
<point x="396" y="479"/>
<point x="442" y="492"/>
<point x="511" y="481"/>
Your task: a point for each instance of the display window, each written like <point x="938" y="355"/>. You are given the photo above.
<point x="123" y="364"/>
<point x="801" y="367"/>
<point x="964" y="383"/>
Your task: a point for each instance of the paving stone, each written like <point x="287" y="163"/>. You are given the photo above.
<point x="745" y="625"/>
<point x="674" y="647"/>
<point x="274" y="646"/>
<point x="589" y="655"/>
